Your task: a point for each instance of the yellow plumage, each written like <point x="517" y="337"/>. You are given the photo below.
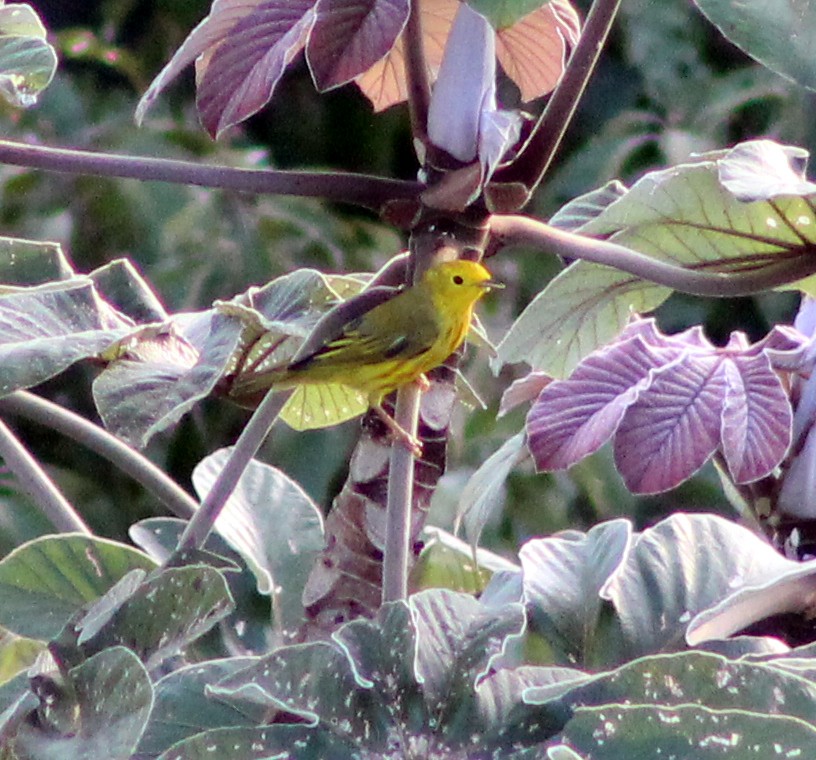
<point x="385" y="345"/>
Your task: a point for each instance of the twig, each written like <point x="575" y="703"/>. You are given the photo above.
<point x="38" y="485"/>
<point x="537" y="154"/>
<point x="400" y="499"/>
<point x="97" y="439"/>
<point x="360" y="189"/>
<point x="244" y="449"/>
<point x="509" y="229"/>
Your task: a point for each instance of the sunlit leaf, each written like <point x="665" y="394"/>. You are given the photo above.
<point x="27" y="60"/>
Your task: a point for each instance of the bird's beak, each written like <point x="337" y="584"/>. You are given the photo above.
<point x="491" y="284"/>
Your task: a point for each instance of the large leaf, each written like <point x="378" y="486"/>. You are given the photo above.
<point x="44" y="582"/>
<point x="108" y="700"/>
<point x="277" y="529"/>
<point x="780" y="34"/>
<point x="27" y="60"/>
<point x="348" y="38"/>
<point x="184" y="708"/>
<point x="29" y="262"/>
<point x="158" y="616"/>
<point x="43" y="330"/>
<point x="241" y="51"/>
<point x="163" y="374"/>
<point x="563" y="577"/>
<point x="748" y="208"/>
<point x="679" y="568"/>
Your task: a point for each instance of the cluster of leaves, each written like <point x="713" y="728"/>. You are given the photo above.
<point x="582" y="649"/>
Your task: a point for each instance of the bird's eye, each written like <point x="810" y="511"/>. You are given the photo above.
<point x="457" y="279"/>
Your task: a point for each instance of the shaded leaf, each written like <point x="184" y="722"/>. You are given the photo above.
<point x="111" y="698"/>
<point x="44" y="582"/>
<point x="121" y="285"/>
<point x="275" y="741"/>
<point x="163" y="374"/>
<point x="482" y="496"/>
<point x="164" y="613"/>
<point x="563" y="577"/>
<point x="349" y="37"/>
<point x="44" y="330"/>
<point x="183" y="707"/>
<point x="780" y="35"/>
<point x="675" y="570"/>
<point x="29" y="262"/>
<point x="641" y="732"/>
<point x="275" y="527"/>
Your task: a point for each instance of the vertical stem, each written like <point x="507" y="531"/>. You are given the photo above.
<point x="400" y="492"/>
<point x="416" y="75"/>
<point x="244" y="449"/>
<point x="38" y="485"/>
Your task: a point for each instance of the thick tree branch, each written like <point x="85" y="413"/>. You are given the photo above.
<point x="359" y="189"/>
<point x="508" y="230"/>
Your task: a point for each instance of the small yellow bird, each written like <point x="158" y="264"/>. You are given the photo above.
<point x="379" y="344"/>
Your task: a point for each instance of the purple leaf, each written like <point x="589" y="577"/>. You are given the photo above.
<point x="674" y="427"/>
<point x="757" y="419"/>
<point x="523" y="390"/>
<point x="236" y="77"/>
<point x="573" y="418"/>
<point x="350" y="36"/>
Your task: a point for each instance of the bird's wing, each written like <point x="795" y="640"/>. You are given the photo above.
<point x="412" y="329"/>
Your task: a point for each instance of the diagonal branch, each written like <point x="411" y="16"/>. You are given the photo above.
<point x="359" y="189"/>
<point x="535" y="157"/>
<point x="510" y="230"/>
<point x="107" y="445"/>
<point x="38" y="485"/>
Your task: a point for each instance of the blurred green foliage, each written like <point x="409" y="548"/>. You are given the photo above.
<point x="667" y="86"/>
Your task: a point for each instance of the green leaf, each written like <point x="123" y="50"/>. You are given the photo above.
<point x="109" y="699"/>
<point x="121" y="285"/>
<point x="563" y="578"/>
<point x="483" y="494"/>
<point x="709" y="680"/>
<point x="730" y="212"/>
<point x="44" y="582"/>
<point x="161" y="615"/>
<point x="679" y="568"/>
<point x="780" y="34"/>
<point x="30" y="262"/>
<point x="265" y="743"/>
<point x="447" y="562"/>
<point x="16" y="654"/>
<point x="27" y="61"/>
<point x="183" y="707"/>
<point x="690" y="732"/>
<point x="44" y="330"/>
<point x="275" y="527"/>
<point x="323" y="405"/>
<point x="504" y="13"/>
<point x="584" y="307"/>
<point x="165" y="374"/>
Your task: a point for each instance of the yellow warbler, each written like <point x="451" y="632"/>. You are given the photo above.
<point x="377" y="344"/>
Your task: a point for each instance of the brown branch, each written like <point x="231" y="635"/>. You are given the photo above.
<point x="359" y="189"/>
<point x="534" y="159"/>
<point x="510" y="230"/>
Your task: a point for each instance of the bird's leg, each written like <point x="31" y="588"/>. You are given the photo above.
<point x="400" y="434"/>
<point x="423" y="383"/>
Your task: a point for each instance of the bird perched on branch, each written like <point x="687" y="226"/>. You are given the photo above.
<point x="377" y="344"/>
